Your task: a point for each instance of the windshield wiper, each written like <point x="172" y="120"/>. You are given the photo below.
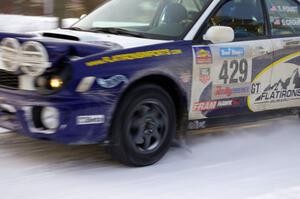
<point x="117" y="31"/>
<point x="74" y="28"/>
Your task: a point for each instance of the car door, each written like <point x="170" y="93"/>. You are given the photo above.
<point x="284" y="89"/>
<point x="224" y="73"/>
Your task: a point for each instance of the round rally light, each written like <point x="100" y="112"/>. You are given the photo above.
<point x="50" y="118"/>
<point x="35" y="59"/>
<point x="9" y="54"/>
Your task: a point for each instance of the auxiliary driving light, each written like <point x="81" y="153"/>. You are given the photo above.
<point x="10" y="53"/>
<point x="56" y="82"/>
<point x="50" y="118"/>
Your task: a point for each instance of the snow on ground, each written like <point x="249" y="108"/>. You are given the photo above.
<point x="257" y="162"/>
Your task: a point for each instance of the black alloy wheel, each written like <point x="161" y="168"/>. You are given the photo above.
<point x="143" y="127"/>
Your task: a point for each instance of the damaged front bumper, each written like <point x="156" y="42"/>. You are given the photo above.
<point x="82" y="120"/>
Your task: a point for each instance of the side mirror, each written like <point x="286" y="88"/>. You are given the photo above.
<point x="83" y="16"/>
<point x="219" y="34"/>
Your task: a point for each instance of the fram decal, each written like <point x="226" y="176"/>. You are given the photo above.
<point x="134" y="56"/>
<point x="203" y="55"/>
<point x="90" y="119"/>
<point x="112" y="81"/>
<point x="204" y="75"/>
<point x="205" y="106"/>
<point x="232" y="52"/>
<point x="215" y="104"/>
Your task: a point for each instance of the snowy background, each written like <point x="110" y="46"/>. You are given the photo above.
<point x="256" y="161"/>
<point x="20" y="23"/>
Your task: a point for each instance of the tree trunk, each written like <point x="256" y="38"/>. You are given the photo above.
<point x="59" y="10"/>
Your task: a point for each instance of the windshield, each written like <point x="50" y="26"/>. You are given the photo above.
<point x="160" y="19"/>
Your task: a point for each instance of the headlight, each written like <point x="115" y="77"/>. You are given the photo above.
<point x="10" y="54"/>
<point x="50" y="118"/>
<point x="34" y="58"/>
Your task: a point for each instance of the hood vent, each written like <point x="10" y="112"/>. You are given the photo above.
<point x="61" y="36"/>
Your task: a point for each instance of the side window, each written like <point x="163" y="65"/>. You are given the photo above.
<point x="192" y="9"/>
<point x="284" y="17"/>
<point x="244" y="16"/>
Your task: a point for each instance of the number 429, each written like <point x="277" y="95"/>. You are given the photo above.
<point x="234" y="71"/>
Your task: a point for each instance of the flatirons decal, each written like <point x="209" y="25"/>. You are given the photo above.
<point x="282" y="90"/>
<point x="277" y="86"/>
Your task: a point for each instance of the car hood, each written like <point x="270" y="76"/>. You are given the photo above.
<point x="100" y="38"/>
<point x="63" y="43"/>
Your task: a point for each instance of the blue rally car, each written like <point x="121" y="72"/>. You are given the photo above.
<point x="135" y="74"/>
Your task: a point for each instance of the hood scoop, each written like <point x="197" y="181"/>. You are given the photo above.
<point x="61" y="36"/>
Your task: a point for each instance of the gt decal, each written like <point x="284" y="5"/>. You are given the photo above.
<point x="134" y="56"/>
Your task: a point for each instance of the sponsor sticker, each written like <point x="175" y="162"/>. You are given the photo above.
<point x="134" y="56"/>
<point x="231" y="91"/>
<point x="204" y="75"/>
<point x="281" y="90"/>
<point x="286" y="21"/>
<point x="228" y="103"/>
<point x="215" y="104"/>
<point x="90" y="119"/>
<point x="233" y="52"/>
<point x="203" y="55"/>
<point x="290" y="22"/>
<point x="112" y="82"/>
<point x="288" y="9"/>
<point x="205" y="106"/>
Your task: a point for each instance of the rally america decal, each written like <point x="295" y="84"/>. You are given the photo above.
<point x="277" y="86"/>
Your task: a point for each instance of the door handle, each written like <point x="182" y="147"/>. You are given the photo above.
<point x="260" y="50"/>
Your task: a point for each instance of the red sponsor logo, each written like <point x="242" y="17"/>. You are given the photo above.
<point x="205" y="106"/>
<point x="223" y="91"/>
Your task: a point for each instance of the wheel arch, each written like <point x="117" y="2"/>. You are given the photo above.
<point x="172" y="87"/>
